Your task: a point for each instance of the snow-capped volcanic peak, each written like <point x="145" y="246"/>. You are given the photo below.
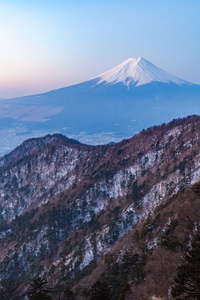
<point x="137" y="71"/>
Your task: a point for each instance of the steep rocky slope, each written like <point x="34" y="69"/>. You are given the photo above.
<point x="144" y="262"/>
<point x="65" y="204"/>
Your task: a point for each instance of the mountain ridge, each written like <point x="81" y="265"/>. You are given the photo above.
<point x="64" y="206"/>
<point x="69" y="204"/>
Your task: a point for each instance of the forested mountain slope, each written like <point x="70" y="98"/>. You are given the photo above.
<point x="65" y="205"/>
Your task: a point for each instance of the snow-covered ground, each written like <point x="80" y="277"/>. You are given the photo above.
<point x="138" y="71"/>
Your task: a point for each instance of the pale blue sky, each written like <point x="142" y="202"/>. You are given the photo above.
<point x="50" y="44"/>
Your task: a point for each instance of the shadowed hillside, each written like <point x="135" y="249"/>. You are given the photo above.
<point x="121" y="214"/>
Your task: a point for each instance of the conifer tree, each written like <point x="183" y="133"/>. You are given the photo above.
<point x="69" y="294"/>
<point x="99" y="291"/>
<point x="39" y="290"/>
<point x="188" y="277"/>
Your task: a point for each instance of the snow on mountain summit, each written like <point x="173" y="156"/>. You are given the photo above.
<point x="138" y="71"/>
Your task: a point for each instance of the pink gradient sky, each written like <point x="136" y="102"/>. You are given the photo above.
<point x="46" y="45"/>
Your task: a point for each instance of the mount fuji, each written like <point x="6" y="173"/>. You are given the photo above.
<point x="114" y="105"/>
<point x="138" y="71"/>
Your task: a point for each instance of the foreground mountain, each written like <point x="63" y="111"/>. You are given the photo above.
<point x="116" y="104"/>
<point x="76" y="213"/>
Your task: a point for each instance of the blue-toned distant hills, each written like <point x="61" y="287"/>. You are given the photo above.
<point x="119" y="103"/>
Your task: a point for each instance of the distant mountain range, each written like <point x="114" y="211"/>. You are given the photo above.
<point x="116" y="104"/>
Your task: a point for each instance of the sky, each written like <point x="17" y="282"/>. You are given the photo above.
<point x="48" y="44"/>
